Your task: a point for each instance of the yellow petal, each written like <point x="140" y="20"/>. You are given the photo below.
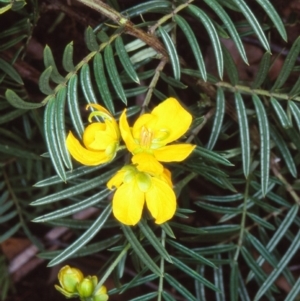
<point x="167" y="177"/>
<point x="83" y="155"/>
<point x="173" y="117"/>
<point x="147" y="163"/>
<point x="128" y="203"/>
<point x="116" y="180"/>
<point x="126" y="132"/>
<point x="173" y="153"/>
<point x="99" y="136"/>
<point x="98" y="108"/>
<point x="161" y="201"/>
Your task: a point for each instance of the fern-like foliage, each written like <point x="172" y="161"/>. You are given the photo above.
<point x="242" y="209"/>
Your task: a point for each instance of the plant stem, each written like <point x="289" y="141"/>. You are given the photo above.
<point x="169" y="16"/>
<point x="111" y="267"/>
<point x="245" y="89"/>
<point x="153" y="83"/>
<point x="243" y="221"/>
<point x="184" y="182"/>
<point x="127" y="25"/>
<point x="162" y="267"/>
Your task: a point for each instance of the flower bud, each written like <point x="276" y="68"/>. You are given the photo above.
<point x="101" y="294"/>
<point x="69" y="278"/>
<point x="86" y="287"/>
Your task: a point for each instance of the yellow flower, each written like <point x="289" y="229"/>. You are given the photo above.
<point x="134" y="187"/>
<point x="148" y="138"/>
<point x="101" y="139"/>
<point x="69" y="278"/>
<point x="101" y="294"/>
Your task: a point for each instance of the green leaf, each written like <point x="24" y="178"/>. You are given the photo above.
<point x="211" y="156"/>
<point x="75" y="190"/>
<point x="260" y="221"/>
<point x="139" y="282"/>
<point x="218" y="119"/>
<point x="146" y="7"/>
<point x="288" y="65"/>
<point x="79" y="206"/>
<point x="71" y="174"/>
<point x="146" y="297"/>
<point x="243" y="291"/>
<point x="10" y="71"/>
<point x="102" y="83"/>
<point x="86" y="84"/>
<point x="180" y="288"/>
<point x="12" y="42"/>
<point x="295" y="111"/>
<point x="219" y="280"/>
<point x="294" y="247"/>
<point x="6" y="217"/>
<point x="263" y="71"/>
<point x="49" y="62"/>
<point x="5" y="8"/>
<point x="244" y="133"/>
<point x="222" y="199"/>
<point x="192" y="40"/>
<point x="213" y="35"/>
<point x="172" y="82"/>
<point x="218" y="9"/>
<point x="282" y="147"/>
<point x="44" y="81"/>
<point x="281" y="114"/>
<point x="167" y="296"/>
<point x="230" y="66"/>
<point x="143" y="55"/>
<point x="234" y="282"/>
<point x="72" y="99"/>
<point x="153" y="240"/>
<point x="86" y="250"/>
<point x="191" y="253"/>
<point x="295" y="90"/>
<point x="10" y="232"/>
<point x="113" y="73"/>
<point x="248" y="13"/>
<point x="90" y="39"/>
<point x="51" y="139"/>
<point x="294" y="292"/>
<point x="19" y="103"/>
<point x="125" y="60"/>
<point x="190" y="272"/>
<point x="264" y="142"/>
<point x="17" y="152"/>
<point x="139" y="250"/>
<point x="67" y="60"/>
<point x="278" y="235"/>
<point x="218" y="208"/>
<point x="166" y="227"/>
<point x="173" y="56"/>
<point x="59" y="119"/>
<point x="263" y="251"/>
<point x="277" y="20"/>
<point x="84" y="238"/>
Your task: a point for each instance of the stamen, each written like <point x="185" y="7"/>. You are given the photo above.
<point x="146" y="137"/>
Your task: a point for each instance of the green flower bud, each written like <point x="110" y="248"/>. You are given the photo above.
<point x="86" y="287"/>
<point x="69" y="278"/>
<point x="101" y="294"/>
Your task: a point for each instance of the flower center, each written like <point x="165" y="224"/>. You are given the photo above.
<point x="146" y="137"/>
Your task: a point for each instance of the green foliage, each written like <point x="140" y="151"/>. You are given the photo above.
<point x="237" y="206"/>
